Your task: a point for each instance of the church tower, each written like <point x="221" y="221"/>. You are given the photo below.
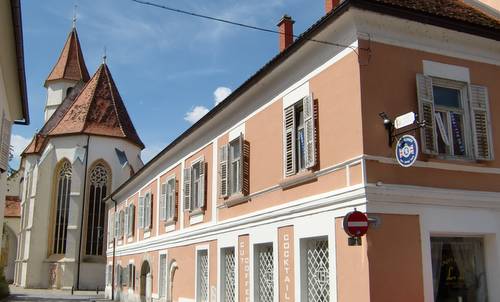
<point x="87" y="147"/>
<point x="69" y="69"/>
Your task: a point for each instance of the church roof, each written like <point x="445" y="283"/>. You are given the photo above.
<point x="99" y="110"/>
<point x="70" y="65"/>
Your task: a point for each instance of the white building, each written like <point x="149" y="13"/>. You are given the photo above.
<point x="87" y="147"/>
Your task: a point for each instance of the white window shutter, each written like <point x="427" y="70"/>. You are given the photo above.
<point x="187" y="188"/>
<point x="126" y="222"/>
<point x="309" y="131"/>
<point x="289" y="141"/>
<point x="163" y="201"/>
<point x="201" y="192"/>
<point x="141" y="212"/>
<point x="5" y="144"/>
<point x="223" y="171"/>
<point x="481" y="123"/>
<point x="426" y="112"/>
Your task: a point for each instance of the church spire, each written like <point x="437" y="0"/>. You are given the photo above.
<point x="70" y="65"/>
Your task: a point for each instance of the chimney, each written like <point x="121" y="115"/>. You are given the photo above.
<point x="286" y="32"/>
<point x="330" y="5"/>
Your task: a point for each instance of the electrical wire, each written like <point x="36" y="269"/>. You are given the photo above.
<point x="185" y="12"/>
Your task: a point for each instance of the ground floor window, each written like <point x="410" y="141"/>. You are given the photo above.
<point x="131" y="275"/>
<point x="228" y="284"/>
<point x="202" y="276"/>
<point x="458" y="269"/>
<point x="264" y="273"/>
<point x="315" y="270"/>
<point x="163" y="275"/>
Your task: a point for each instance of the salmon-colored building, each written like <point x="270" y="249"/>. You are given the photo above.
<point x="248" y="203"/>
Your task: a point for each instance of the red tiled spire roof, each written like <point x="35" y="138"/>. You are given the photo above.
<point x="70" y="65"/>
<point x="98" y="109"/>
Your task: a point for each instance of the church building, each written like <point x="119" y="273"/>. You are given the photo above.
<point x="87" y="147"/>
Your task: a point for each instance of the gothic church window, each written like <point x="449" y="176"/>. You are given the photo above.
<point x="63" y="176"/>
<point x="98" y="188"/>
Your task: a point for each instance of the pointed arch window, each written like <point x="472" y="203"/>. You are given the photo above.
<point x="62" y="207"/>
<point x="98" y="187"/>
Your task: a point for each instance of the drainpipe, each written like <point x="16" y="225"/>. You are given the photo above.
<point x="114" y="259"/>
<point x="83" y="213"/>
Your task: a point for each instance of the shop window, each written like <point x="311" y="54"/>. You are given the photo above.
<point x="264" y="273"/>
<point x="228" y="280"/>
<point x="315" y="270"/>
<point x="458" y="269"/>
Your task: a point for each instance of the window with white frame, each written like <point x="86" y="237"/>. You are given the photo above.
<point x="233" y="168"/>
<point x="315" y="270"/>
<point x="458" y="269"/>
<point x="457" y="118"/>
<point x="168" y="203"/>
<point x="125" y="276"/>
<point x="228" y="275"/>
<point x="299" y="136"/>
<point x="120" y="224"/>
<point x="5" y="143"/>
<point x="145" y="211"/>
<point x="202" y="276"/>
<point x="194" y="186"/>
<point x="131" y="276"/>
<point x="163" y="276"/>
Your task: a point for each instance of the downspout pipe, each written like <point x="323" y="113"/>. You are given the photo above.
<point x="83" y="212"/>
<point x="113" y="269"/>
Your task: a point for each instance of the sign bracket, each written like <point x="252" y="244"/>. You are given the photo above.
<point x="392" y="133"/>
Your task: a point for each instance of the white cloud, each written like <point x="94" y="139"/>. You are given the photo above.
<point x="220" y="94"/>
<point x="194" y="115"/>
<point x="19" y="143"/>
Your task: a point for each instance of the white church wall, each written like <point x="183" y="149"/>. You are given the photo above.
<point x="56" y="92"/>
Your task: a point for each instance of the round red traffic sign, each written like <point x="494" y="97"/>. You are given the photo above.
<point x="355" y="224"/>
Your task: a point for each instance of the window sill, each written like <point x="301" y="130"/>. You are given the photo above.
<point x="236" y="199"/>
<point x="196" y="217"/>
<point x="130" y="238"/>
<point x="147" y="234"/>
<point x="58" y="258"/>
<point x="298" y="179"/>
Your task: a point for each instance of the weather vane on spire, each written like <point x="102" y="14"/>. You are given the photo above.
<point x="104" y="56"/>
<point x="74" y="15"/>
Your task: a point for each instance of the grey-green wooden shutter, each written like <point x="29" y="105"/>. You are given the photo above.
<point x="117" y="225"/>
<point x="111" y="228"/>
<point x="241" y="177"/>
<point x="481" y="123"/>
<point x="141" y="212"/>
<point x="131" y="224"/>
<point x="171" y="209"/>
<point x="289" y="141"/>
<point x="245" y="167"/>
<point x="126" y="222"/>
<point x="163" y="201"/>
<point x="426" y="112"/>
<point x="5" y="144"/>
<point x="309" y="131"/>
<point x="223" y="171"/>
<point x="187" y="188"/>
<point x="201" y="192"/>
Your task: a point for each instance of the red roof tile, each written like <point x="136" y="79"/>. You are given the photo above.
<point x="71" y="65"/>
<point x="98" y="109"/>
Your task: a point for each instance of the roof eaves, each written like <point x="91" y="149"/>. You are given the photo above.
<point x="18" y="36"/>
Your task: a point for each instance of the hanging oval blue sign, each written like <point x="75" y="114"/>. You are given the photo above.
<point x="406" y="150"/>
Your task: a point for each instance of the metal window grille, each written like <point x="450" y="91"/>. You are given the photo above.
<point x="265" y="270"/>
<point x="203" y="276"/>
<point x="62" y="208"/>
<point x="229" y="285"/>
<point x="318" y="272"/>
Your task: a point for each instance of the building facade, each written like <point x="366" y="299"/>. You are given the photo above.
<point x="248" y="203"/>
<point x="87" y="147"/>
<point x="13" y="96"/>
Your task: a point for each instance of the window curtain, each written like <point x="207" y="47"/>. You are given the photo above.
<point x="469" y="258"/>
<point x="436" y="255"/>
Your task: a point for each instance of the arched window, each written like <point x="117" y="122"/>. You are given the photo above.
<point x="99" y="180"/>
<point x="63" y="190"/>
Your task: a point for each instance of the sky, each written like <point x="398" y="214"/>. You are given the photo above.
<point x="170" y="69"/>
